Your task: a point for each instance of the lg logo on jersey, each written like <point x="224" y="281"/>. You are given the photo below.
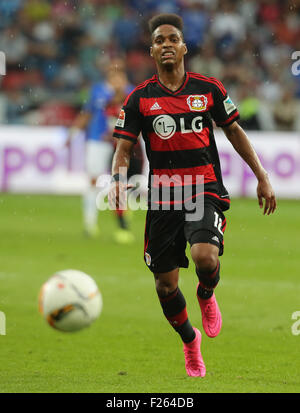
<point x="165" y="126"/>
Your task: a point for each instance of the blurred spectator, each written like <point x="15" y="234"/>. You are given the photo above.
<point x="127" y="29"/>
<point x="227" y="27"/>
<point x="271" y="88"/>
<point x="70" y="75"/>
<point x="70" y="31"/>
<point x="287" y="29"/>
<point x="8" y="10"/>
<point x="286" y="111"/>
<point x="269" y="11"/>
<point x="37" y="10"/>
<point x="206" y="62"/>
<point x="15" y="46"/>
<point x="156" y="6"/>
<point x="248" y="10"/>
<point x="248" y="107"/>
<point x="254" y="114"/>
<point x="195" y="20"/>
<point x="16" y="106"/>
<point x="61" y="9"/>
<point x="100" y="30"/>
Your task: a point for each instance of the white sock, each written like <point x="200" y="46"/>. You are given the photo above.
<point x="90" y="211"/>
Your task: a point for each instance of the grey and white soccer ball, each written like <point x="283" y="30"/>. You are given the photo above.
<point x="70" y="300"/>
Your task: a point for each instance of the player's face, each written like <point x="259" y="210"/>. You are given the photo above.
<point x="168" y="47"/>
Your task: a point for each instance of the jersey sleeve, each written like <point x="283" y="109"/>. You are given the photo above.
<point x="129" y="123"/>
<point x="224" y="111"/>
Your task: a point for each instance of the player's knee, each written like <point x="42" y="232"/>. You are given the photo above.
<point x="209" y="279"/>
<point x="164" y="287"/>
<point x="205" y="260"/>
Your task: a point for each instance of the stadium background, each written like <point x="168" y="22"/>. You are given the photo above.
<point x="54" y="51"/>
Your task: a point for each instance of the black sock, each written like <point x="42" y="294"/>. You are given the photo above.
<point x="122" y="222"/>
<point x="174" y="309"/>
<point x="204" y="293"/>
<point x="208" y="282"/>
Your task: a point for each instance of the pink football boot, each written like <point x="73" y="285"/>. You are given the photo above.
<point x="194" y="363"/>
<point x="211" y="316"/>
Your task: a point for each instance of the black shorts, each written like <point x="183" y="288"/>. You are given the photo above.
<point x="167" y="233"/>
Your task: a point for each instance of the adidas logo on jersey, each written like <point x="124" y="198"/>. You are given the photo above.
<point x="155" y="106"/>
<point x="215" y="238"/>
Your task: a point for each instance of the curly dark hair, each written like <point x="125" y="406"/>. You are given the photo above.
<point x="172" y="19"/>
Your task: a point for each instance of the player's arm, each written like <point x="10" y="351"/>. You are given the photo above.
<point x="121" y="159"/>
<point x="120" y="165"/>
<point x="242" y="145"/>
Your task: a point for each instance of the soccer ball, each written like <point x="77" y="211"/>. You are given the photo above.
<point x="70" y="300"/>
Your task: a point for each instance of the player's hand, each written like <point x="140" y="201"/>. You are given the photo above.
<point x="117" y="195"/>
<point x="265" y="191"/>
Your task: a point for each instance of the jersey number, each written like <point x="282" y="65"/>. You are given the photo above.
<point x="218" y="223"/>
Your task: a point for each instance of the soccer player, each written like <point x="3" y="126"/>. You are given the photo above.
<point x="175" y="111"/>
<point x="99" y="148"/>
<point x="123" y="235"/>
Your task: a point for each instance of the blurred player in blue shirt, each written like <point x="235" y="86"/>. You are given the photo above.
<point x="99" y="149"/>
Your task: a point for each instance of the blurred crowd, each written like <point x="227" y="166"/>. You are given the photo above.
<point x="55" y="50"/>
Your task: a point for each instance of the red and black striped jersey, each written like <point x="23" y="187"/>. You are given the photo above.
<point x="177" y="129"/>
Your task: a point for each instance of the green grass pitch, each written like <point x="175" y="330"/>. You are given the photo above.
<point x="131" y="347"/>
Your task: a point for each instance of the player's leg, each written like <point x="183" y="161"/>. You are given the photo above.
<point x="206" y="239"/>
<point x="89" y="208"/>
<point x="173" y="305"/>
<point x="97" y="162"/>
<point x="164" y="254"/>
<point x="205" y="257"/>
<point x="123" y="235"/>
